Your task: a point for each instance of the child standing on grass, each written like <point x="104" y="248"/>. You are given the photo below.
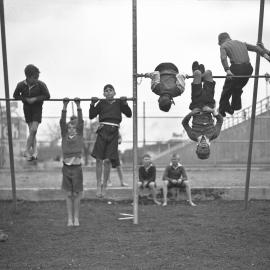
<point x="32" y="92"/>
<point x="106" y="146"/>
<point x="72" y="145"/>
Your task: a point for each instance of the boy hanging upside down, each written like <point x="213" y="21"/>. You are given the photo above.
<point x="203" y="129"/>
<point x="167" y="83"/>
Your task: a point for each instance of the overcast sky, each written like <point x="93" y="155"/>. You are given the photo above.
<point x="81" y="45"/>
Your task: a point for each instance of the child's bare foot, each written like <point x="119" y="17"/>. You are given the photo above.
<point x="192" y="203"/>
<point x="70" y="223"/>
<point x="164" y="204"/>
<point x="124" y="184"/>
<point x="76" y="222"/>
<point x="157" y="202"/>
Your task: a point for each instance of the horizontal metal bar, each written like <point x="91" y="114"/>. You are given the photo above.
<point x="217" y="77"/>
<point x="62" y="99"/>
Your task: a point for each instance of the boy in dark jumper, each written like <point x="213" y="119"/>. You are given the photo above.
<point x="106" y="146"/>
<point x="32" y="93"/>
<point x="147" y="177"/>
<point x="166" y="83"/>
<point x="203" y="109"/>
<point x="72" y="146"/>
<point x="175" y="177"/>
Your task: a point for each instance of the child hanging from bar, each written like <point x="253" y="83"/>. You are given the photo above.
<point x="32" y="92"/>
<point x="72" y="146"/>
<point x="237" y="52"/>
<point x="106" y="146"/>
<point x="203" y="108"/>
<point x="167" y="83"/>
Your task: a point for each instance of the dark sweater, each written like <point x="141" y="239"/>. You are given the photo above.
<point x="175" y="173"/>
<point x="39" y="90"/>
<point x="72" y="147"/>
<point x="147" y="175"/>
<point x="168" y="73"/>
<point x="202" y="124"/>
<point x="110" y="112"/>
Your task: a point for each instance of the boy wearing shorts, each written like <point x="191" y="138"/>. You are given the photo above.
<point x="203" y="112"/>
<point x="175" y="177"/>
<point x="167" y="83"/>
<point x="72" y="146"/>
<point x="106" y="146"/>
<point x="147" y="177"/>
<point x="32" y="92"/>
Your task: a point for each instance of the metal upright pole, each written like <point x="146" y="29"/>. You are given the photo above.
<point x="255" y="90"/>
<point x="135" y="118"/>
<point x="143" y="124"/>
<point x="4" y="55"/>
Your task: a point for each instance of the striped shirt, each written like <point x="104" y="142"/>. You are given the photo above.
<point x="237" y="52"/>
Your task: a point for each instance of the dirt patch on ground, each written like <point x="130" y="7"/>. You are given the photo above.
<point x="198" y="178"/>
<point x="213" y="235"/>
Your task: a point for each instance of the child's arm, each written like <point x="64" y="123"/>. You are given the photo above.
<point x="186" y="125"/>
<point x="44" y="94"/>
<point x="258" y="49"/>
<point x="217" y="126"/>
<point x="152" y="177"/>
<point x="184" y="174"/>
<point x="80" y="116"/>
<point x="17" y="93"/>
<point x="94" y="110"/>
<point x="63" y="124"/>
<point x="125" y="109"/>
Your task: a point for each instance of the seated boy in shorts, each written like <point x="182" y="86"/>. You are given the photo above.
<point x="175" y="177"/>
<point x="106" y="146"/>
<point x="72" y="146"/>
<point x="167" y="83"/>
<point x="203" y="108"/>
<point x="32" y="92"/>
<point x="147" y="177"/>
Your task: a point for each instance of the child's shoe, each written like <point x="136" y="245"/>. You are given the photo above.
<point x="201" y="68"/>
<point x="195" y="66"/>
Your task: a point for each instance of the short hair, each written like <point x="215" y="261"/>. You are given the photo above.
<point x="31" y="70"/>
<point x="222" y="37"/>
<point x="165" y="103"/>
<point x="108" y="86"/>
<point x="146" y="156"/>
<point x="175" y="155"/>
<point x="203" y="152"/>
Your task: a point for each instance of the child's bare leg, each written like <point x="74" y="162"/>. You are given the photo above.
<point x="69" y="208"/>
<point x="188" y="191"/>
<point x="77" y="200"/>
<point x="207" y="76"/>
<point x="197" y="77"/>
<point x="165" y="192"/>
<point x="33" y="126"/>
<point x="107" y="168"/>
<point x="121" y="177"/>
<point x="177" y="194"/>
<point x="154" y="193"/>
<point x="99" y="164"/>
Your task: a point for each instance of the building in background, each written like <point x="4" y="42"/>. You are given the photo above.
<point x="19" y="134"/>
